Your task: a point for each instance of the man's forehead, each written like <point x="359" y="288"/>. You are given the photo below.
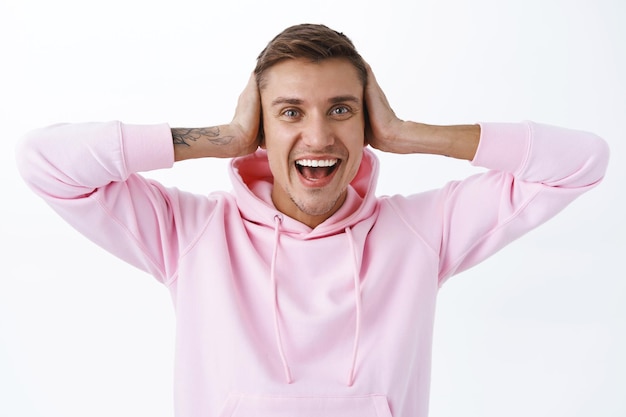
<point x="298" y="82"/>
<point x="300" y="71"/>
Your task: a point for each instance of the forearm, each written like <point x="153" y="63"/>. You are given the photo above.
<point x="457" y="141"/>
<point x="387" y="132"/>
<point x="215" y="141"/>
<point x="238" y="138"/>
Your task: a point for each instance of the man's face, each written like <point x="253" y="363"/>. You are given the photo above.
<point x="314" y="135"/>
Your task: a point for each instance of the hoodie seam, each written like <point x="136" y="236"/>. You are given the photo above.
<point x="166" y="279"/>
<point x="486" y="236"/>
<point x="189" y="247"/>
<point x="306" y="397"/>
<point x="120" y="137"/>
<point x="516" y="174"/>
<point x="529" y="145"/>
<point x="138" y="243"/>
<point x="410" y="226"/>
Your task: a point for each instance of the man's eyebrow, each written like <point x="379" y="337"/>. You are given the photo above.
<point x="286" y="100"/>
<point x="333" y="100"/>
<point x="343" y="99"/>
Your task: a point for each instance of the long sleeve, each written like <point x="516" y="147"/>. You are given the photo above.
<point x="534" y="171"/>
<point x="87" y="173"/>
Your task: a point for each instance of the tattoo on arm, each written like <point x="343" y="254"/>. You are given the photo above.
<point x="182" y="136"/>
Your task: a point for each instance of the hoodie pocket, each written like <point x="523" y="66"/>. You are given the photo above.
<point x="257" y="406"/>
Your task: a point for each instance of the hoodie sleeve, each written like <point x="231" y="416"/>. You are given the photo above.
<point x="534" y="171"/>
<point x="87" y="173"/>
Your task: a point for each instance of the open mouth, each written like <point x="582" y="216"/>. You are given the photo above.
<point x="316" y="169"/>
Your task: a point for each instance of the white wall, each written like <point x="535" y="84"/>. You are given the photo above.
<point x="537" y="330"/>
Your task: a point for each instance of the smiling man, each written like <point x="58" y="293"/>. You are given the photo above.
<point x="315" y="131"/>
<point x="302" y="292"/>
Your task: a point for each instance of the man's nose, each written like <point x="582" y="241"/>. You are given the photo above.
<point x="318" y="132"/>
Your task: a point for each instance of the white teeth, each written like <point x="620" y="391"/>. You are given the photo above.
<point x="316" y="162"/>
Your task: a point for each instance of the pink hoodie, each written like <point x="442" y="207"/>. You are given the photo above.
<point x="275" y="318"/>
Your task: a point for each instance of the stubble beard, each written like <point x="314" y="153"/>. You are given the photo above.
<point x="318" y="209"/>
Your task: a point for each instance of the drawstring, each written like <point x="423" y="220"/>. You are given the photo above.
<point x="279" y="340"/>
<point x="357" y="303"/>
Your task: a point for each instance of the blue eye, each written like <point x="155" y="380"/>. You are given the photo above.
<point x="340" y="110"/>
<point x="290" y="113"/>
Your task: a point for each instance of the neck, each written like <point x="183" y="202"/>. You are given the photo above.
<point x="311" y="218"/>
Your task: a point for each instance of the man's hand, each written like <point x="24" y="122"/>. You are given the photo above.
<point x="386" y="132"/>
<point x="383" y="126"/>
<point x="238" y="138"/>
<point x="246" y="121"/>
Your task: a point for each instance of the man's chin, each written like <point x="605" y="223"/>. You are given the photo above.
<point x="317" y="209"/>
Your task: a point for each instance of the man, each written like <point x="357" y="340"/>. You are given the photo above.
<point x="302" y="293"/>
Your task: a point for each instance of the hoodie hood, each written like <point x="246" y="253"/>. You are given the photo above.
<point x="253" y="181"/>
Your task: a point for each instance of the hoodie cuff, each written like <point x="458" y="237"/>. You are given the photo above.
<point x="503" y="146"/>
<point x="147" y="147"/>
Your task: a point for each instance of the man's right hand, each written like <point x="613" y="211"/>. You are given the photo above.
<point x="238" y="138"/>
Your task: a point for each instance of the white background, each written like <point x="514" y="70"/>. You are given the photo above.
<point x="539" y="329"/>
